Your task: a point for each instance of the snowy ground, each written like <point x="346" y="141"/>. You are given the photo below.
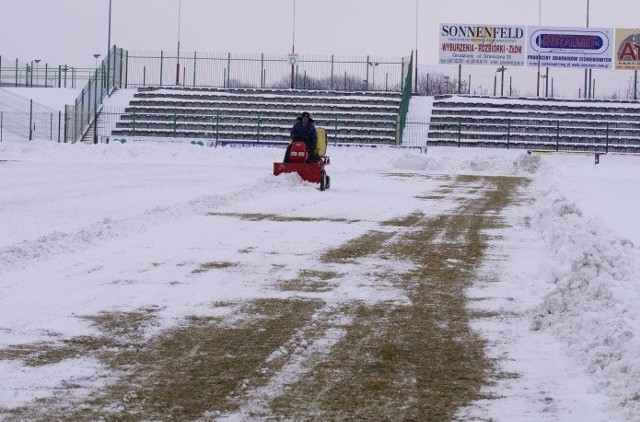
<point x="86" y="229"/>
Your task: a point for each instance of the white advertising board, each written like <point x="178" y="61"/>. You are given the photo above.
<point x="570" y="47"/>
<point x="488" y="45"/>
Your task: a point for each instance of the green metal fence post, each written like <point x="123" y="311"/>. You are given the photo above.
<point x="109" y="60"/>
<point x="123" y="71"/>
<point x="133" y="124"/>
<point x="66" y="122"/>
<point x="72" y="129"/>
<point x="459" y="132"/>
<point x="366" y="81"/>
<point x="30" y="120"/>
<point x="17" y="72"/>
<point x="335" y="132"/>
<point x="95" y="92"/>
<point x="229" y="70"/>
<point x="606" y="145"/>
<point x="262" y="70"/>
<point x="258" y="129"/>
<point x="332" y="70"/>
<point x="558" y="135"/>
<point x="175" y="122"/>
<point x="194" y="68"/>
<point x="217" y="125"/>
<point x="508" y="133"/>
<point x="161" y="65"/>
<point x="95" y="108"/>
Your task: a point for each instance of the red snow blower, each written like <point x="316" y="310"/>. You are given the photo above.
<point x="296" y="161"/>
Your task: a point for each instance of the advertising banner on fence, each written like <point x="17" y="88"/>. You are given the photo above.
<point x="627" y="49"/>
<point x="570" y="47"/>
<point x="489" y="45"/>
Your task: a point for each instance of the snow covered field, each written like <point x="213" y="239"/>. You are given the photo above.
<point x="122" y="227"/>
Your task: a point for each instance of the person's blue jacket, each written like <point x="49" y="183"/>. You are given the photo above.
<point x="305" y="133"/>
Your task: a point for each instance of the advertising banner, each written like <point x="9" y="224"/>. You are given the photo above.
<point x="570" y="47"/>
<point x="488" y="45"/>
<point x="627" y="49"/>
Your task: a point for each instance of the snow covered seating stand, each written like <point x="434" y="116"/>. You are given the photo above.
<point x="258" y="115"/>
<point x="550" y="125"/>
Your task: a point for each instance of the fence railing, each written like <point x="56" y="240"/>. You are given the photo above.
<point x="23" y="118"/>
<point x="227" y="70"/>
<point x="19" y="125"/>
<point x="14" y="73"/>
<point x="82" y="114"/>
<point x="550" y="134"/>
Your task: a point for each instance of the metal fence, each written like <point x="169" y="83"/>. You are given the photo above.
<point x="548" y="135"/>
<point x="14" y="73"/>
<point x="80" y="116"/>
<point x="22" y="118"/>
<point x="227" y="70"/>
<point x="31" y="125"/>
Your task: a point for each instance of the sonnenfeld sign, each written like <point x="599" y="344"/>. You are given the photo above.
<point x="628" y="49"/>
<point x="570" y="47"/>
<point x="487" y="45"/>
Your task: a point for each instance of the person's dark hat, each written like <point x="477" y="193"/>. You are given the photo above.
<point x="305" y="114"/>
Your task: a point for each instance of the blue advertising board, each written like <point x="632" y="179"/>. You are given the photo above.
<point x="570" y="47"/>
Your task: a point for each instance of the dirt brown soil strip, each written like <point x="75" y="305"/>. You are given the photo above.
<point x="415" y="362"/>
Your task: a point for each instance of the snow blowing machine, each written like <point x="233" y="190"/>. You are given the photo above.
<point x="297" y="160"/>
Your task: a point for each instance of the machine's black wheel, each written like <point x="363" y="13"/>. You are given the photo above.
<point x="327" y="183"/>
<point x="323" y="180"/>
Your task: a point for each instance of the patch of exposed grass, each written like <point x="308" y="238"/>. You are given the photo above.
<point x="431" y="197"/>
<point x="217" y="265"/>
<point x="120" y="330"/>
<point x="311" y="281"/>
<point x="415" y="362"/>
<point x="124" y="324"/>
<point x="277" y="217"/>
<point x="408" y="221"/>
<point x="367" y="244"/>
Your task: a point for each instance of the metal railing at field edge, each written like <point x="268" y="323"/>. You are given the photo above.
<point x="82" y="115"/>
<point x="548" y="135"/>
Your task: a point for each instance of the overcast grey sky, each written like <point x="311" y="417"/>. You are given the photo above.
<point x="71" y="31"/>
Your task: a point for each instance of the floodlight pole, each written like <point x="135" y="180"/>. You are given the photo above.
<point x="539" y="52"/>
<point x="293" y="43"/>
<point x="586" y="71"/>
<point x="178" y="55"/>
<point x="108" y="51"/>
<point x="416" y="62"/>
<point x="109" y="31"/>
